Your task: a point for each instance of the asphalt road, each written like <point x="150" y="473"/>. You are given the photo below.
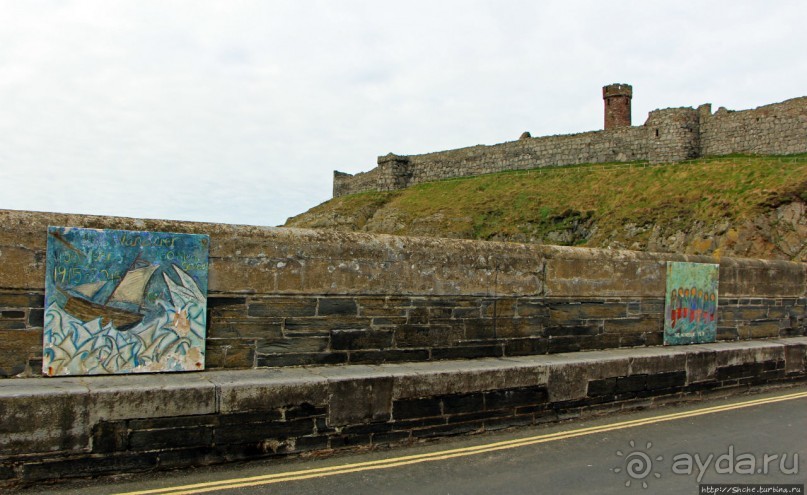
<point x="664" y="450"/>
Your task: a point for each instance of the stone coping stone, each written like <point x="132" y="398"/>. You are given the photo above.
<point x="59" y="414"/>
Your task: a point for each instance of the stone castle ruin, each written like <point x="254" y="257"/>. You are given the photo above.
<point x="668" y="135"/>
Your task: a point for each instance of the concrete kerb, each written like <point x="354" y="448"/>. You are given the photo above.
<point x="39" y="419"/>
<point x="58" y="416"/>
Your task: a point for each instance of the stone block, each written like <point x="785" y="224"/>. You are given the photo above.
<point x="383" y="306"/>
<point x="109" y="437"/>
<point x="292" y="345"/>
<point x="336" y="306"/>
<point x="759" y="330"/>
<point x="322" y="326"/>
<point x="16" y="348"/>
<point x="795" y="357"/>
<point x="499" y="308"/>
<point x="606" y="386"/>
<point x="12" y="314"/>
<point x="633" y="383"/>
<point x="563" y="344"/>
<point x="471" y="312"/>
<point x="480" y="329"/>
<point x="85" y="467"/>
<point x="607" y="365"/>
<point x="236" y="274"/>
<point x="113" y="398"/>
<point x="632" y="340"/>
<point x="264" y="434"/>
<point x="282" y="307"/>
<point x="572" y="330"/>
<point x="361" y="339"/>
<point x="418" y="316"/>
<point x="226" y="307"/>
<point x="463" y="403"/>
<point x="560" y="313"/>
<point x="229" y="353"/>
<point x="388" y="356"/>
<point x="12" y="324"/>
<point x="22" y="300"/>
<point x="300" y="359"/>
<point x="701" y="363"/>
<point x="748" y="352"/>
<point x="634" y="325"/>
<point x="617" y="273"/>
<point x="246" y="328"/>
<point x="601" y="341"/>
<point x="459" y="377"/>
<point x="416" y="408"/>
<point x="663" y="360"/>
<point x="390" y="438"/>
<point x="467" y="351"/>
<point x="515" y="397"/>
<point x="387" y="321"/>
<point x="733" y="314"/>
<point x="41" y="416"/>
<point x="727" y="333"/>
<point x="652" y="306"/>
<point x="528" y="307"/>
<point x="427" y="336"/>
<point x="266" y="390"/>
<point x="359" y="400"/>
<point x="21" y="268"/>
<point x="525" y="346"/>
<point x="666" y="380"/>
<point x="449" y="429"/>
<point x="567" y="381"/>
<point x="172" y="438"/>
<point x="36" y="317"/>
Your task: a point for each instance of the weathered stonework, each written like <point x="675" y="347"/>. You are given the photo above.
<point x="91" y="426"/>
<point x="668" y="136"/>
<point x="616" y="98"/>
<point x="286" y="297"/>
<point x="402" y="312"/>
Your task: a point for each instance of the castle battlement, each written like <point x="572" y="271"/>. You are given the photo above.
<point x="668" y="135"/>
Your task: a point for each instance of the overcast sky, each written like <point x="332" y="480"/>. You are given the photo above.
<point x="240" y="111"/>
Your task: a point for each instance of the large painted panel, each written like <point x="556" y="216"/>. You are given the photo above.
<point x="121" y="301"/>
<point x="691" y="303"/>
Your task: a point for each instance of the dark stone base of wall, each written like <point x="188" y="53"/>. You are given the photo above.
<point x="103" y="425"/>
<point x="271" y="331"/>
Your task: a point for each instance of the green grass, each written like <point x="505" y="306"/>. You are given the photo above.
<point x="534" y="203"/>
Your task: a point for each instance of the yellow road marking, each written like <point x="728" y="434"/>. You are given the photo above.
<point x="451" y="453"/>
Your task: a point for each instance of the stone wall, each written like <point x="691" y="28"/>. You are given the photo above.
<point x="668" y="136"/>
<point x="280" y="297"/>
<point x="777" y="129"/>
<point x="90" y="426"/>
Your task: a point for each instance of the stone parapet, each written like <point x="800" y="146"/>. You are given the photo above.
<point x="288" y="297"/>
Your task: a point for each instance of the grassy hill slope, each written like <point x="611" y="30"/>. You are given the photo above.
<point x="733" y="205"/>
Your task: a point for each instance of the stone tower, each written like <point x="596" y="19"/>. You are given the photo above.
<point x="617" y="105"/>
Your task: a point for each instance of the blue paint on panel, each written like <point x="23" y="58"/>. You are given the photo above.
<point x="122" y="301"/>
<point x="690" y="315"/>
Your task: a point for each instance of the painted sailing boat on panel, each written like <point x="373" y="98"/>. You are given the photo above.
<point x="130" y="291"/>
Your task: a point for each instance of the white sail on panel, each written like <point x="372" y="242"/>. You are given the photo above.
<point x="89" y="290"/>
<point x="133" y="285"/>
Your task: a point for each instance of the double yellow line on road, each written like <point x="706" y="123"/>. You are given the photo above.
<point x="213" y="486"/>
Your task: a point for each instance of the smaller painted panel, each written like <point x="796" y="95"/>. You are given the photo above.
<point x="121" y="301"/>
<point x="690" y="315"/>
